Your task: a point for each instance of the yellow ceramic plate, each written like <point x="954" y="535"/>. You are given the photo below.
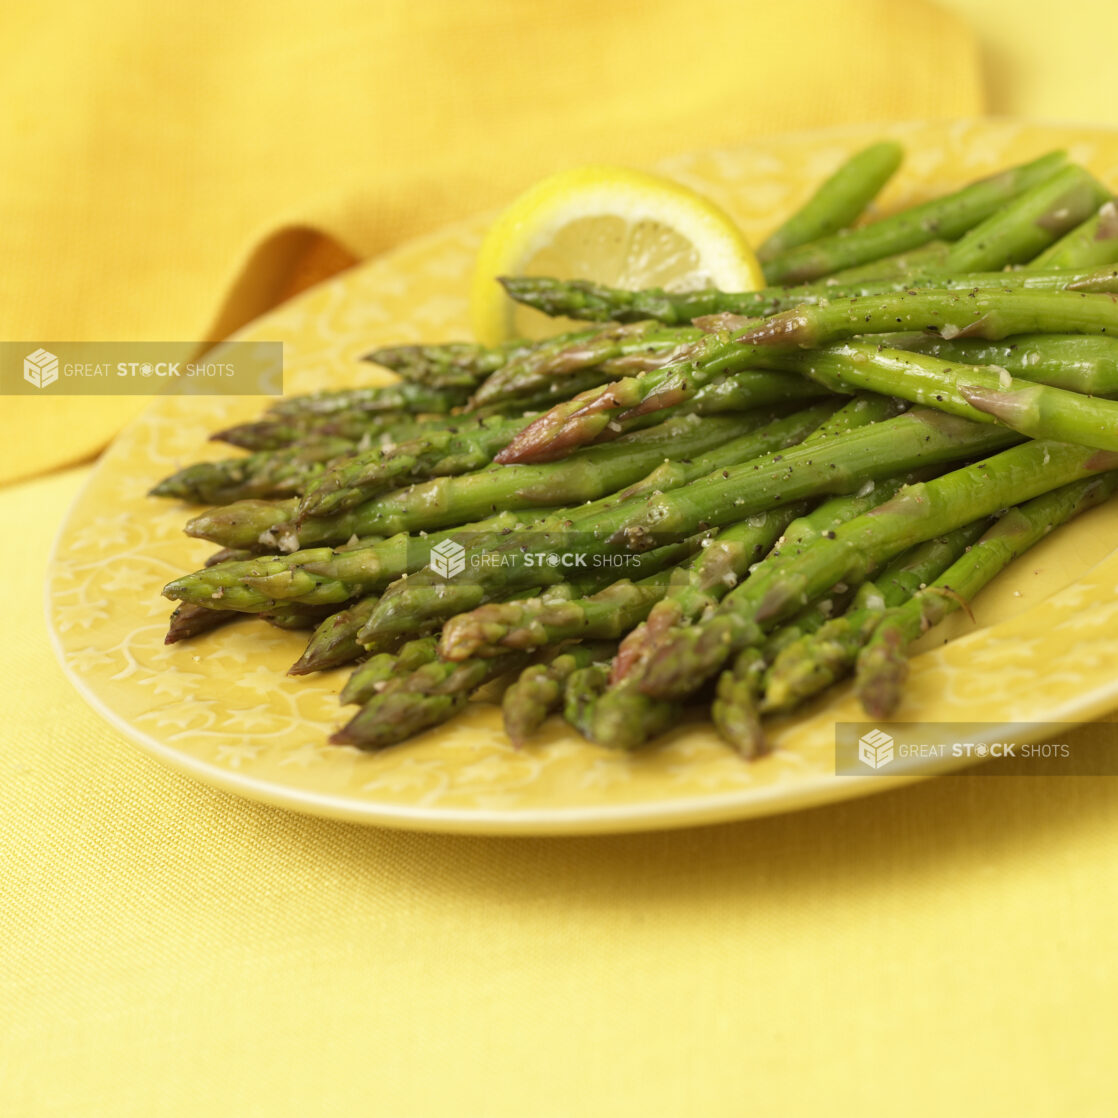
<point x="220" y="707"/>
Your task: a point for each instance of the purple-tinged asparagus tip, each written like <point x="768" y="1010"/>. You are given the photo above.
<point x="789" y="328"/>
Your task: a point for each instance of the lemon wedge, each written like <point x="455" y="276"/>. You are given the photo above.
<point x="614" y="226"/>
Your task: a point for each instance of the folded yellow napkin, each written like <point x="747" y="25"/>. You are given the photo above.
<point x="174" y="172"/>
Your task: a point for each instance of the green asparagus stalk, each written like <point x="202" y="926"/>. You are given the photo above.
<point x="946" y="218"/>
<point x="425" y="698"/>
<point x="266" y="474"/>
<point x="583" y="686"/>
<point x="901" y="266"/>
<point x="371" y="677"/>
<point x="919" y="512"/>
<point x="322" y="575"/>
<point x="1076" y="362"/>
<point x="982" y="314"/>
<point x="580" y="298"/>
<point x="497" y="627"/>
<point x="539" y="690"/>
<point x="190" y="620"/>
<point x="453" y="365"/>
<point x="838" y="201"/>
<point x="403" y="397"/>
<point x="1030" y="223"/>
<point x="363" y="428"/>
<point x="882" y="665"/>
<point x="611" y="725"/>
<point x="1092" y="243"/>
<point x="553" y="361"/>
<point x="815" y="661"/>
<point x="969" y="391"/>
<point x="734" y="711"/>
<point x="335" y="642"/>
<point x="296" y="616"/>
<point x="251" y="525"/>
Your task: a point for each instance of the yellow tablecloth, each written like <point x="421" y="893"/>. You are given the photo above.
<point x="166" y="949"/>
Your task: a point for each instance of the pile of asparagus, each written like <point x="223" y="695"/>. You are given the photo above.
<point x="738" y="499"/>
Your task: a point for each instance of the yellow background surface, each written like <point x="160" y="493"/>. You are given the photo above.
<point x="166" y="949"/>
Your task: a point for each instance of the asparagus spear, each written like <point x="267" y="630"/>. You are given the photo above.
<point x="335" y="642"/>
<point x="838" y="201"/>
<point x="583" y="686"/>
<point x="356" y="427"/>
<point x="882" y="664"/>
<point x="1093" y="242"/>
<point x="947" y="217"/>
<point x="582" y="299"/>
<point x="1029" y="223"/>
<point x="242" y="525"/>
<point x="274" y="432"/>
<point x="189" y="620"/>
<point x="980" y="314"/>
<point x="294" y="616"/>
<point x="424" y="698"/>
<point x="452" y="365"/>
<point x="919" y="512"/>
<point x="387" y="398"/>
<point x="972" y="392"/>
<point x="1077" y="362"/>
<point x="734" y="711"/>
<point x="817" y="660"/>
<point x="378" y="671"/>
<point x="321" y="575"/>
<point x="273" y="473"/>
<point x="898" y="266"/>
<point x="539" y="690"/>
<point x="553" y="361"/>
